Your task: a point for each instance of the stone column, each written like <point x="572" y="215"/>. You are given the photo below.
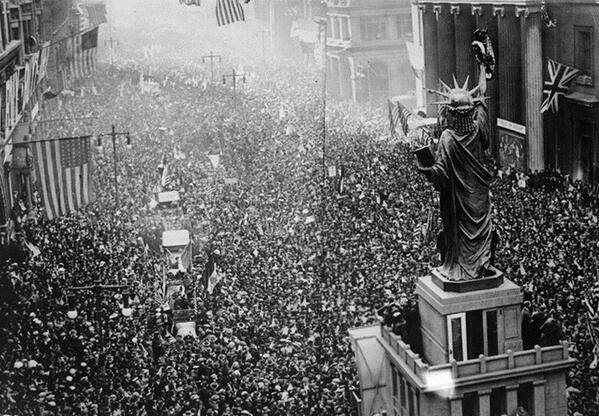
<point x="446" y="43"/>
<point x="456" y="406"/>
<point x="511" y="398"/>
<point x="533" y="84"/>
<point x="539" y="397"/>
<point x="464" y="24"/>
<point x="431" y="58"/>
<point x="486" y="19"/>
<point x="484" y="403"/>
<point x="509" y="65"/>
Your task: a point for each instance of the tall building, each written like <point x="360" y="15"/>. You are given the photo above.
<point x="524" y="34"/>
<point x="367" y="57"/>
<point x="22" y="70"/>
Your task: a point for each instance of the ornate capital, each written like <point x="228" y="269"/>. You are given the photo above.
<point x="522" y="11"/>
<point x="455" y="9"/>
<point x="422" y="7"/>
<point x="437" y="9"/>
<point x="477" y="9"/>
<point x="499" y="11"/>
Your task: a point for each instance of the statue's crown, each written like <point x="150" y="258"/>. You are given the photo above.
<point x="458" y="99"/>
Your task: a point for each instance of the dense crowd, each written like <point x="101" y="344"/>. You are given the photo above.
<point x="304" y="255"/>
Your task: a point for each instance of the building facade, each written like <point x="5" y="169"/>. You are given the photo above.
<point x="367" y="56"/>
<point x="467" y="359"/>
<point x="22" y="70"/>
<point x="524" y="34"/>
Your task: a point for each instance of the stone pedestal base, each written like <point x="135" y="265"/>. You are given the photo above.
<point x="495" y="279"/>
<point x="435" y="305"/>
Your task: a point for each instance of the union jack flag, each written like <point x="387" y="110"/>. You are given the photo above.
<point x="559" y="78"/>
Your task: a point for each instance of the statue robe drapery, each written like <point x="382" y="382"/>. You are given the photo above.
<point x="463" y="182"/>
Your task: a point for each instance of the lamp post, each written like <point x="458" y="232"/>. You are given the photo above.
<point x="114" y="134"/>
<point x="97" y="289"/>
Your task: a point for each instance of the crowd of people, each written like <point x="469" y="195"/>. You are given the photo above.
<point x="305" y="254"/>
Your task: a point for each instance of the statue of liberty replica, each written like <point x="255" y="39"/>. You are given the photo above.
<point x="458" y="173"/>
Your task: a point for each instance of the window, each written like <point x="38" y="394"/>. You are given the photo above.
<point x="456" y="335"/>
<point x="470" y="404"/>
<point x="394" y="380"/>
<point x="474" y="331"/>
<point x="583" y="53"/>
<point x="498" y="402"/>
<point x="345" y="28"/>
<point x="411" y="404"/>
<point x="526" y="397"/>
<point x="336" y="28"/>
<point x="492" y="337"/>
<point x="402" y="391"/>
<point x="404" y="25"/>
<point x="373" y="28"/>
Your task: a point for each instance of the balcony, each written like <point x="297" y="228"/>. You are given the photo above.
<point x="469" y="372"/>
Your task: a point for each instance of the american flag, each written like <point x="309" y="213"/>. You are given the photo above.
<point x="64" y="174"/>
<point x="557" y="85"/>
<point x="83" y="55"/>
<point x="228" y="11"/>
<point x="167" y="176"/>
<point x="398" y="114"/>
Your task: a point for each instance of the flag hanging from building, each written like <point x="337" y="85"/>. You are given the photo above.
<point x="228" y="11"/>
<point x="559" y="77"/>
<point x="96" y="14"/>
<point x="89" y="49"/>
<point x="64" y="174"/>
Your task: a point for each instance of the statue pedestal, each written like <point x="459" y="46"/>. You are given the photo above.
<point x="478" y="317"/>
<point x="493" y="280"/>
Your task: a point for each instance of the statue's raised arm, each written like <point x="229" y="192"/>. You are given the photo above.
<point x="463" y="182"/>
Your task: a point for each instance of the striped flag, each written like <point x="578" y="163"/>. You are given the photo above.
<point x="398" y="114"/>
<point x="89" y="48"/>
<point x="64" y="174"/>
<point x="228" y="11"/>
<point x="167" y="176"/>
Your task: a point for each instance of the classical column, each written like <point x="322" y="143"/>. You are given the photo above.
<point x="533" y="84"/>
<point x="464" y="24"/>
<point x="486" y="19"/>
<point x="445" y="42"/>
<point x="539" y="397"/>
<point x="431" y="59"/>
<point x="509" y="65"/>
<point x="511" y="398"/>
<point x="484" y="403"/>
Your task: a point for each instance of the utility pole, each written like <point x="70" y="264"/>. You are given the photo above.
<point x="234" y="77"/>
<point x="263" y="32"/>
<point x="212" y="57"/>
<point x="111" y="42"/>
<point x="114" y="134"/>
